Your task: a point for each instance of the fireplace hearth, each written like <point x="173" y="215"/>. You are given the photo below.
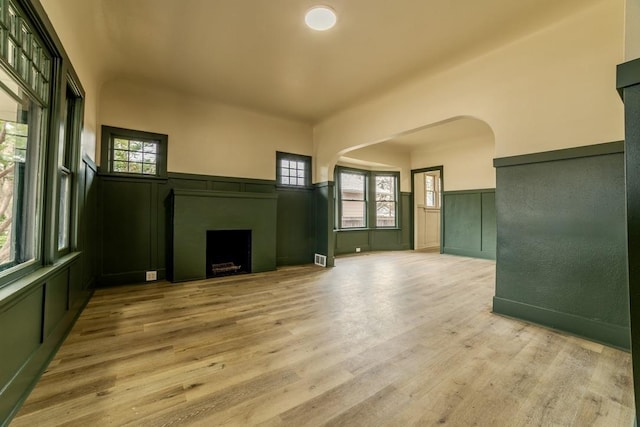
<point x="228" y="252"/>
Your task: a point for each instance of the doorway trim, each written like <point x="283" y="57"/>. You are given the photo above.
<point x="413" y="197"/>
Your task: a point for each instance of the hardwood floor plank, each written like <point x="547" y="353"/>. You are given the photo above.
<point x="385" y="339"/>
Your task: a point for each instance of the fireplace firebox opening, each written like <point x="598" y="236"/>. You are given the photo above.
<point x="228" y="252"/>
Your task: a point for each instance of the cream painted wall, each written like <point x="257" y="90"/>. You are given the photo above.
<point x="468" y="163"/>
<point x="383" y="154"/>
<point x="553" y="89"/>
<point x="70" y="26"/>
<point x="632" y="30"/>
<point x="204" y="137"/>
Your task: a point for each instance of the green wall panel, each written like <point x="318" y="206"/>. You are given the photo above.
<point x="295" y="227"/>
<point x="379" y="239"/>
<point x="463" y="222"/>
<point x="126" y="226"/>
<point x="325" y="220"/>
<point x="226" y="186"/>
<point x="562" y="242"/>
<point x="20" y="333"/>
<point x="196" y="212"/>
<point x="469" y="223"/>
<point x="348" y="241"/>
<point x="88" y="224"/>
<point x="56" y="292"/>
<point x="489" y="232"/>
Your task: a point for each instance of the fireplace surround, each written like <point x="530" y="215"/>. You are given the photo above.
<point x="193" y="213"/>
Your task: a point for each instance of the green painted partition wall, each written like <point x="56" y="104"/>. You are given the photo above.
<point x="469" y="223"/>
<point x="346" y="241"/>
<point x="561" y="258"/>
<point x="135" y="228"/>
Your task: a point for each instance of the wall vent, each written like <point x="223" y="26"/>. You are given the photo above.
<point x="320" y="260"/>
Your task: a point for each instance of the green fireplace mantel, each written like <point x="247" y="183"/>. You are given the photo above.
<point x="193" y="212"/>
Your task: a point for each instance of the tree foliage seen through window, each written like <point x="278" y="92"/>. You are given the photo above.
<point x="13" y="148"/>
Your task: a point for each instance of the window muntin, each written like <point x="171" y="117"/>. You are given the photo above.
<point x="353" y="200"/>
<point x="66" y="166"/>
<point x="293" y="170"/>
<point x="23" y="51"/>
<point x="386" y="200"/>
<point x="21" y="127"/>
<point x="134" y="156"/>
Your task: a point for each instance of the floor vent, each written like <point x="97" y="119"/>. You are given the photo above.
<point x="320" y="260"/>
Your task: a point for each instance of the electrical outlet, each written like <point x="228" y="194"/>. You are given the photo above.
<point x="151" y="275"/>
<point x="357" y="249"/>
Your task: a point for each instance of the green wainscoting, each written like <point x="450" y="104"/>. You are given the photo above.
<point x="628" y="85"/>
<point x="561" y="258"/>
<point x="380" y="239"/>
<point x="38" y="311"/>
<point x="135" y="227"/>
<point x="325" y="220"/>
<point x="295" y="240"/>
<point x="469" y="223"/>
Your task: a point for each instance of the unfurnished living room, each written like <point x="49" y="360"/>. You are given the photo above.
<point x="299" y="213"/>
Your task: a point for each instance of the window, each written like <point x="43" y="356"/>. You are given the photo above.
<point x="353" y="200"/>
<point x="65" y="165"/>
<point x="132" y="152"/>
<point x="356" y="188"/>
<point x="21" y="128"/>
<point x="386" y="200"/>
<point x="432" y="191"/>
<point x="293" y="170"/>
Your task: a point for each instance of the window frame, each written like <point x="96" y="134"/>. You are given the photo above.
<point x="280" y="155"/>
<point x="365" y="200"/>
<point x="110" y="133"/>
<point x="40" y="51"/>
<point x="370" y="198"/>
<point x="437" y="190"/>
<point x="68" y="155"/>
<point x="396" y="191"/>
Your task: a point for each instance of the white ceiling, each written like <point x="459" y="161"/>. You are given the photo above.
<point x="258" y="53"/>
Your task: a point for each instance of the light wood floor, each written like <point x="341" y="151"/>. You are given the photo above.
<point x="384" y="339"/>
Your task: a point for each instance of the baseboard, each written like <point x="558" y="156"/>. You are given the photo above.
<point x="605" y="333"/>
<point x="128" y="278"/>
<point x="469" y="253"/>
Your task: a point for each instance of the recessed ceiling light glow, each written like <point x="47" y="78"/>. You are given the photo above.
<point x="320" y="18"/>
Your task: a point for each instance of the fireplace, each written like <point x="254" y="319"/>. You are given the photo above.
<point x="228" y="252"/>
<point x="193" y="213"/>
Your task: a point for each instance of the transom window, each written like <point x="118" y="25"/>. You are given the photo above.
<point x="132" y="156"/>
<point x="293" y="170"/>
<point x="356" y="188"/>
<point x="134" y="152"/>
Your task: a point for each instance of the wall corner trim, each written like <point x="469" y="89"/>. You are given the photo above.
<point x="603" y="149"/>
<point x="628" y="74"/>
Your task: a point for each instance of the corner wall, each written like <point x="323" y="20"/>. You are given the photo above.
<point x="561" y="257"/>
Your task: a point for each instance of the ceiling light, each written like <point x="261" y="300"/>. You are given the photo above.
<point x="320" y="18"/>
